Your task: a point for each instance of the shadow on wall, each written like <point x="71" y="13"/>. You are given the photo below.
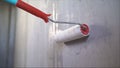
<point x="97" y="33"/>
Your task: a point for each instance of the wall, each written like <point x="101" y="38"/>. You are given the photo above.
<point x="4" y="25"/>
<point x="102" y="47"/>
<point x="36" y="48"/>
<point x="31" y="38"/>
<point x="7" y="35"/>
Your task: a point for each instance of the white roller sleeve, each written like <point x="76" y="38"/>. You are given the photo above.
<point x="72" y="33"/>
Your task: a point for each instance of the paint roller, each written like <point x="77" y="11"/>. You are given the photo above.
<point x="71" y="34"/>
<point x="75" y="32"/>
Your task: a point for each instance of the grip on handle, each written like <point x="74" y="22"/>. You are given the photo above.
<point x="32" y="10"/>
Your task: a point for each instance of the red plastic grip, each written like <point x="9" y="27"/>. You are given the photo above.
<point x="32" y="10"/>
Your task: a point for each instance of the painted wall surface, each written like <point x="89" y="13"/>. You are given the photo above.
<point x="36" y="48"/>
<point x="102" y="48"/>
<point x="31" y="38"/>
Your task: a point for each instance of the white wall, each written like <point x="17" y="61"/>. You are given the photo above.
<point x="102" y="48"/>
<point x="35" y="47"/>
<point x="31" y="38"/>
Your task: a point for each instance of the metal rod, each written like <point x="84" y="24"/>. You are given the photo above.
<point x="61" y="22"/>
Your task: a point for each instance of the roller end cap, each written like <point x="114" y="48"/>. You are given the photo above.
<point x="84" y="29"/>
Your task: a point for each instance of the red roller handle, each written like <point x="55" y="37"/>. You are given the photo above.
<point x="32" y="10"/>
